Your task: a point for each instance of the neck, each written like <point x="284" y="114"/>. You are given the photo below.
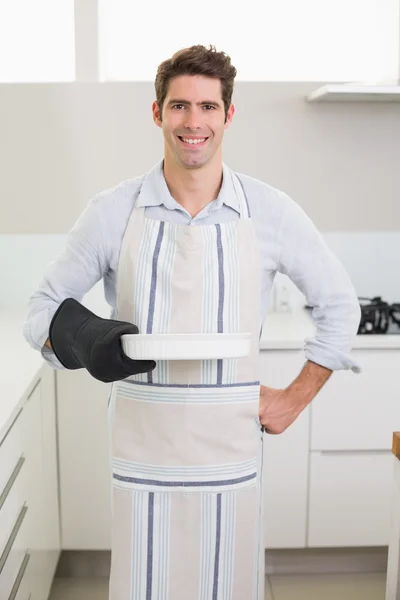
<point x="193" y="188"/>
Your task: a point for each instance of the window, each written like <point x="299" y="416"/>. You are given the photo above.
<point x="37" y="40"/>
<point x="272" y="40"/>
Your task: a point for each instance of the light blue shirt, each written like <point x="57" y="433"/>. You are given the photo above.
<point x="288" y="240"/>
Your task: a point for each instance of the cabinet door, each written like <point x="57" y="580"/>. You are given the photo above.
<point x="359" y="412"/>
<point x="350" y="495"/>
<point x="50" y="526"/>
<point x="393" y="564"/>
<point x="85" y="474"/>
<point x="285" y="460"/>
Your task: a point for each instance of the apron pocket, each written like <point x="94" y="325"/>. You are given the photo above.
<point x="194" y="438"/>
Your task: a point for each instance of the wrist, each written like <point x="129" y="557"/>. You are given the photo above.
<point x="308" y="383"/>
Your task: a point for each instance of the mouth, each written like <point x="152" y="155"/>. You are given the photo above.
<point x="191" y="142"/>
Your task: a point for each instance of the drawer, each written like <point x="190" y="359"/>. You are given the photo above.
<point x="11" y="449"/>
<point x="24" y="432"/>
<point x="31" y="582"/>
<point x="359" y="412"/>
<point x="22" y="485"/>
<point x="12" y="557"/>
<point x="278" y="368"/>
<point x="14" y="496"/>
<point x="350" y="498"/>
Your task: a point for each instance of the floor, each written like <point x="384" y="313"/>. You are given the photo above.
<point x="363" y="586"/>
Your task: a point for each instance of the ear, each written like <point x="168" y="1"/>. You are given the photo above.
<point x="229" y="116"/>
<point x="156" y="114"/>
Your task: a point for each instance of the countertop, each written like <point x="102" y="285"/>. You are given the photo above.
<point x="287" y="331"/>
<point x="20" y="364"/>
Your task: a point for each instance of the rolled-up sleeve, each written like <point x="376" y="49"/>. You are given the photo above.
<point x="307" y="260"/>
<point x="75" y="271"/>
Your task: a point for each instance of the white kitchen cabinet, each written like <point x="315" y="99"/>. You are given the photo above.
<point x="352" y="423"/>
<point x="85" y="475"/>
<point x="359" y="411"/>
<point x="20" y="512"/>
<point x="285" y="460"/>
<point x="350" y="495"/>
<point x="29" y="521"/>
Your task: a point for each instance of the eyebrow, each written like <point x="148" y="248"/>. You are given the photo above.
<point x="210" y="102"/>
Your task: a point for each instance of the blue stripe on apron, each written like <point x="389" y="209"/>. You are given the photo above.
<point x="221" y="296"/>
<point x="217" y="548"/>
<point x="153" y="287"/>
<point x="150" y="527"/>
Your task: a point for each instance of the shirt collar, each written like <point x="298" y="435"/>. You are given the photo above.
<point x="154" y="190"/>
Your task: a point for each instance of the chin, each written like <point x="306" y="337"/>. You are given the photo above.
<point x="194" y="163"/>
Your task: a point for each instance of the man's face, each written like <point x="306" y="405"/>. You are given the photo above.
<point x="193" y="109"/>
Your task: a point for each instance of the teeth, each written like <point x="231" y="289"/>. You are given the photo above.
<point x="199" y="141"/>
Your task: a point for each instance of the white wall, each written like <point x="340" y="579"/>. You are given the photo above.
<point x="371" y="259"/>
<point x="63" y="143"/>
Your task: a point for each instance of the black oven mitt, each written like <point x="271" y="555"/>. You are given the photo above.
<point x="81" y="339"/>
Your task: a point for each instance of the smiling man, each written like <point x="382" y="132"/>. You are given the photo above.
<point x="191" y="247"/>
<point x="193" y="118"/>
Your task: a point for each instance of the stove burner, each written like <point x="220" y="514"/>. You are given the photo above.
<point x="374" y="316"/>
<point x="377" y="316"/>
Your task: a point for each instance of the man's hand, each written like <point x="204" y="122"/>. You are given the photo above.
<point x="81" y="339"/>
<point x="279" y="408"/>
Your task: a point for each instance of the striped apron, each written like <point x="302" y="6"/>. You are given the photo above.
<point x="186" y="440"/>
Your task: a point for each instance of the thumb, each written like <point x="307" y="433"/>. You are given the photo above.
<point x="145" y="365"/>
<point x="127" y="328"/>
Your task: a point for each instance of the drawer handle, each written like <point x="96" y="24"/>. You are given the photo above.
<point x="34" y="388"/>
<point x="11" y="426"/>
<point x="12" y="537"/>
<point x="20" y="575"/>
<point x="379" y="451"/>
<point x="11" y="481"/>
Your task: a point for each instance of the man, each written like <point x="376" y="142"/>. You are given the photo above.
<point x="191" y="247"/>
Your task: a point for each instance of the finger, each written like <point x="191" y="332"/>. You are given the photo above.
<point x="129" y="363"/>
<point x="145" y="365"/>
<point x="129" y="328"/>
<point x="269" y="431"/>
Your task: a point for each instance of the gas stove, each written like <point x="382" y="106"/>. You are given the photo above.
<point x="378" y="317"/>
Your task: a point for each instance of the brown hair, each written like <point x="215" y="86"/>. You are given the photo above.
<point x="196" y="60"/>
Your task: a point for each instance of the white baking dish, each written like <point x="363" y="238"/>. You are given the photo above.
<point x="186" y="346"/>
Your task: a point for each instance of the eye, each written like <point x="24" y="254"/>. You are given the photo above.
<point x="206" y="105"/>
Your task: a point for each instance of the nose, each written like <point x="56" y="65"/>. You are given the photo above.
<point x="192" y="120"/>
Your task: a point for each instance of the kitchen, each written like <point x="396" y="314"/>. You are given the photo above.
<point x="330" y="474"/>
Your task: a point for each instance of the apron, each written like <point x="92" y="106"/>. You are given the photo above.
<point x="186" y="440"/>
